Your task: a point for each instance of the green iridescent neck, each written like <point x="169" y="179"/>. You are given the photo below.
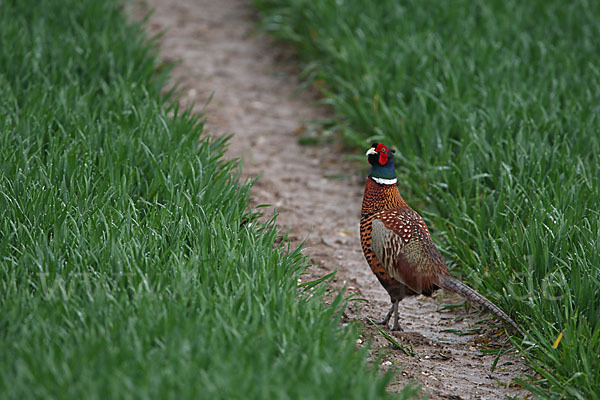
<point x="386" y="171"/>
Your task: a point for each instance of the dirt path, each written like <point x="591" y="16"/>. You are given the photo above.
<point x="221" y="51"/>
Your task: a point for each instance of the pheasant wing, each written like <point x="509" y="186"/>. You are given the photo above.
<point x="402" y="244"/>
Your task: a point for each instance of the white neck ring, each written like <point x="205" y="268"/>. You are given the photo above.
<point x="382" y="181"/>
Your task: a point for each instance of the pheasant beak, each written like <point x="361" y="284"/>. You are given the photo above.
<point x="371" y="151"/>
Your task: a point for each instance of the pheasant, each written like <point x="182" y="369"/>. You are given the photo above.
<point x="397" y="244"/>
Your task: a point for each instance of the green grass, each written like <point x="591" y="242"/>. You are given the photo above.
<point x="493" y="107"/>
<point x="129" y="264"/>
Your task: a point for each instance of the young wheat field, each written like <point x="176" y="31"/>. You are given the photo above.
<point x="129" y="264"/>
<point x="493" y="107"/>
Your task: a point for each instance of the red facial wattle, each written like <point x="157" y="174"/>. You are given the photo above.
<point x="383" y="152"/>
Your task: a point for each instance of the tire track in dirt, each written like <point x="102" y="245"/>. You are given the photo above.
<point x="220" y="51"/>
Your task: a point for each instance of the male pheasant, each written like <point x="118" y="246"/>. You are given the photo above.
<point x="397" y="244"/>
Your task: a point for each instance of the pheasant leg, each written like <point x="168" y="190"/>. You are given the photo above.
<point x="395" y="325"/>
<point x="393" y="310"/>
<point x="387" y="316"/>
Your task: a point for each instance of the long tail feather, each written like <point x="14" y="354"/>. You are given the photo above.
<point x="454" y="285"/>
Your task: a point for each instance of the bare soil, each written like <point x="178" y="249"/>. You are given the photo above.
<point x="251" y="79"/>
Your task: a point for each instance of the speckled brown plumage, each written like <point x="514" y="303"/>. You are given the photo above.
<point x="397" y="244"/>
<point x="382" y="204"/>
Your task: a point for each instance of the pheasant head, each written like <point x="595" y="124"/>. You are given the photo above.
<point x="381" y="159"/>
<point x="381" y="192"/>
